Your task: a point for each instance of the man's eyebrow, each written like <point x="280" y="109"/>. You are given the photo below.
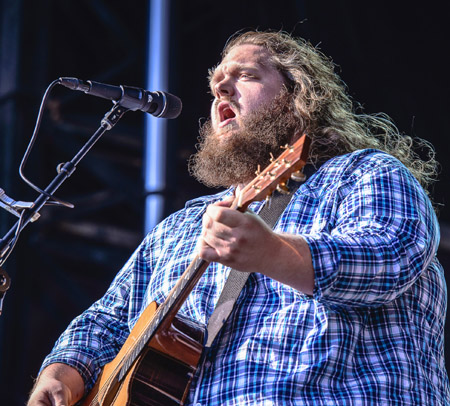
<point x="216" y="70"/>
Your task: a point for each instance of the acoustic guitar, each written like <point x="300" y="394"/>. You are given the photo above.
<point x="160" y="357"/>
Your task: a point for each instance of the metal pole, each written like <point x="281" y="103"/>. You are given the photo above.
<point x="156" y="129"/>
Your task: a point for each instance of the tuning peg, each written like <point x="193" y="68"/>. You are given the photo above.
<point x="287" y="146"/>
<point x="274" y="161"/>
<point x="298" y="176"/>
<point x="283" y="189"/>
<point x="287" y="163"/>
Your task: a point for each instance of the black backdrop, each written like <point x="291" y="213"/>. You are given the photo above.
<point x="390" y="54"/>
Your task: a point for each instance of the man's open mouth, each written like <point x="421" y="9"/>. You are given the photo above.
<point x="226" y="113"/>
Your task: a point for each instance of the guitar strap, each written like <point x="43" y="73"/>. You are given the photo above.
<point x="236" y="279"/>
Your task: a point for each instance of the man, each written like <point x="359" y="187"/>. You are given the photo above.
<point x="345" y="302"/>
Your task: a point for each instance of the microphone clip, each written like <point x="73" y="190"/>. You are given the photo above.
<point x="113" y="116"/>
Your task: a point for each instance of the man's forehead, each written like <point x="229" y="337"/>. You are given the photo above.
<point x="245" y="55"/>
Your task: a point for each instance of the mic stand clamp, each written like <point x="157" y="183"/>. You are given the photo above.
<point x="15" y="207"/>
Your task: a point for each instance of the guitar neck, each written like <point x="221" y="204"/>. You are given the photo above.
<point x="278" y="172"/>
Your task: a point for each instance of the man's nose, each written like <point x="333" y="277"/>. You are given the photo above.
<point x="224" y="87"/>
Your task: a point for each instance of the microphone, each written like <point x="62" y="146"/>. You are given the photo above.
<point x="159" y="104"/>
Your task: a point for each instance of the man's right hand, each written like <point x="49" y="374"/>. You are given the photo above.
<point x="57" y="385"/>
<point x="50" y="392"/>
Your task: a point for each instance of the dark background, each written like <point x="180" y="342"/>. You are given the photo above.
<point x="391" y="55"/>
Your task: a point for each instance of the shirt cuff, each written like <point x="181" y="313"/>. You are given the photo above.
<point x="326" y="256"/>
<point x="73" y="357"/>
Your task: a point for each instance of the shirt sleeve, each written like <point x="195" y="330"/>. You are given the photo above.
<point x="384" y="236"/>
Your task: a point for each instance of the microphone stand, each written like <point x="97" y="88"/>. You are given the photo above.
<point x="65" y="170"/>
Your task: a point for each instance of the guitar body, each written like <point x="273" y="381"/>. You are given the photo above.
<point x="163" y="372"/>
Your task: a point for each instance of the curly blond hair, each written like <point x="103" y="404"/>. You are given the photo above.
<point x="327" y="113"/>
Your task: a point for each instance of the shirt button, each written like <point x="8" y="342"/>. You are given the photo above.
<point x="207" y="365"/>
<point x="198" y="404"/>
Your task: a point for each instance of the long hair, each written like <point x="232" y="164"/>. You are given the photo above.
<point x="327" y="113"/>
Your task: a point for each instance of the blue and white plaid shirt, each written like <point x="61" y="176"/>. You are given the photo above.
<point x="372" y="334"/>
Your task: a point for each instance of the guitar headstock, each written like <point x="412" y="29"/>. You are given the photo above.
<point x="276" y="174"/>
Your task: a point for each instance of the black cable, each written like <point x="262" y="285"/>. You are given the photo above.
<point x="14" y="240"/>
<point x="53" y="200"/>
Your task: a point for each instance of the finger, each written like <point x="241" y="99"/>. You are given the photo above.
<point x="228" y="217"/>
<point x="60" y="397"/>
<point x="227" y="202"/>
<point x="217" y="234"/>
<point x="46" y="399"/>
<point x="206" y="252"/>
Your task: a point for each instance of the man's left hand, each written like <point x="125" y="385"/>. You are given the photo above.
<point x="243" y="241"/>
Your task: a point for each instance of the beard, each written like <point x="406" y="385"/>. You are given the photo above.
<point x="233" y="159"/>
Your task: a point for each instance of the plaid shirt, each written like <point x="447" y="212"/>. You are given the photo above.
<point x="371" y="334"/>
